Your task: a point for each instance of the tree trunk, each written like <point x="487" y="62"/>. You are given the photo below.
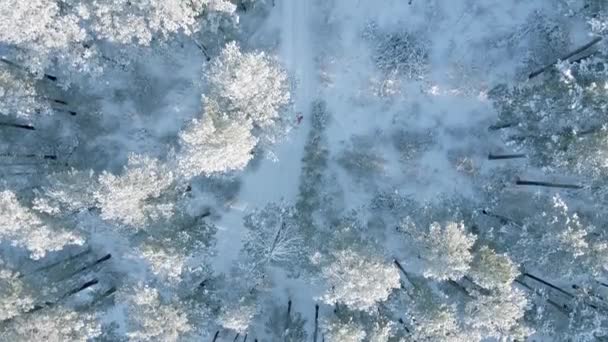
<point x="557" y="306"/>
<point x="14" y="125"/>
<point x="548" y="284"/>
<point x="217" y="333"/>
<point x="505" y="156"/>
<point x="40" y="156"/>
<point x="407" y="277"/>
<point x="203" y="49"/>
<point x="316" y="332"/>
<point x="497" y="127"/>
<point x="44" y="268"/>
<point x="15" y="65"/>
<point x="503" y="219"/>
<point x="460" y="288"/>
<point x="547" y="184"/>
<point x="81" y="288"/>
<point x="71" y="112"/>
<point x="236" y="337"/>
<point x="563" y="58"/>
<point x="86" y="267"/>
<point x="288" y="318"/>
<point x="104" y="295"/>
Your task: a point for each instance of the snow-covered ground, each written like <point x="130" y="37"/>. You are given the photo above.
<point x="469" y="49"/>
<point x="276" y="178"/>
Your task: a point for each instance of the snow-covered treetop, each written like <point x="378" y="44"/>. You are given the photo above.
<point x="445" y="249"/>
<point x="248" y="86"/>
<point x="14" y="296"/>
<point x="18" y="95"/>
<point x="492" y="271"/>
<point x="273" y="237"/>
<point x="562" y="121"/>
<point x="25" y="228"/>
<point x="139" y="21"/>
<point x="237" y="317"/>
<point x="55" y="324"/>
<point x="497" y="316"/>
<point x="215" y="145"/>
<point x="336" y="330"/>
<point x="150" y="319"/>
<point x="438" y="324"/>
<point x="41" y="31"/>
<point x="358" y="281"/>
<point x="67" y="192"/>
<point x="132" y="198"/>
<point x="166" y="263"/>
<point x="557" y="239"/>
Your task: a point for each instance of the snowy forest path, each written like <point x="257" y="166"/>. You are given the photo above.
<point x="276" y="178"/>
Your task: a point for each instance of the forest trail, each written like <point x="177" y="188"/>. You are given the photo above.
<point x="276" y="179"/>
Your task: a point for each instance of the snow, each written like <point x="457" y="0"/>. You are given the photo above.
<point x="273" y="180"/>
<point x="321" y="44"/>
<point x="439" y="108"/>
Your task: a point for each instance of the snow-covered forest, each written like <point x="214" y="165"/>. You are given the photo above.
<point x="303" y="170"/>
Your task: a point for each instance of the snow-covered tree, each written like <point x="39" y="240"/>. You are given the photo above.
<point x="492" y="271"/>
<point x="554" y="239"/>
<point x="436" y="323"/>
<point x="359" y="281"/>
<point x="286" y="325"/>
<point x="248" y="86"/>
<point x="42" y="33"/>
<point x="14" y="294"/>
<point x="141" y="21"/>
<point x="67" y="192"/>
<point x="133" y="198"/>
<point x="215" y="145"/>
<point x="19" y="96"/>
<point x="166" y="263"/>
<point x="498" y="316"/>
<point x="401" y="52"/>
<point x="56" y="324"/>
<point x="273" y="237"/>
<point x="382" y="332"/>
<point x="339" y="330"/>
<point x="237" y="316"/>
<point x="445" y="249"/>
<point x="24" y="228"/>
<point x="151" y="319"/>
<point x="561" y="123"/>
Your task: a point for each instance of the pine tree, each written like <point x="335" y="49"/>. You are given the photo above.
<point x="358" y="281"/>
<point x="134" y="197"/>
